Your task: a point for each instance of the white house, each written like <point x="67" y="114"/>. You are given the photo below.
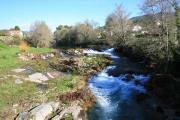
<point x="14" y="32"/>
<point x="137" y="28"/>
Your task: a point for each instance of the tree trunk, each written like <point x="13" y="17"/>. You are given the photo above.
<point x="178" y="23"/>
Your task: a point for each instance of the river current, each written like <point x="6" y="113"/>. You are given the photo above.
<point x="115" y="95"/>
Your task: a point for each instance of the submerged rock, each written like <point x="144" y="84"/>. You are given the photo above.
<point x="137" y="82"/>
<point x="128" y="77"/>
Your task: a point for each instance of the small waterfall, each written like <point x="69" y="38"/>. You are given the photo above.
<point x="114" y="94"/>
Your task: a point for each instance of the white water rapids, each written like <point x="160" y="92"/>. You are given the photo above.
<point x="114" y="95"/>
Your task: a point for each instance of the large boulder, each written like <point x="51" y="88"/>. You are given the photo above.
<point x="44" y="110"/>
<point x="23" y="116"/>
<point x="40" y="112"/>
<point x="75" y="110"/>
<point x="37" y="77"/>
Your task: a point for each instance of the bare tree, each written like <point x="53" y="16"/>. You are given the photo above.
<point x="162" y="16"/>
<point x="41" y="35"/>
<point x="118" y="24"/>
<point x="175" y="5"/>
<point x="162" y="12"/>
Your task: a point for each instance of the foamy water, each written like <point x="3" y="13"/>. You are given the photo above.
<point x="114" y="95"/>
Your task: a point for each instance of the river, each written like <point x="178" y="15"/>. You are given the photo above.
<point x="114" y="94"/>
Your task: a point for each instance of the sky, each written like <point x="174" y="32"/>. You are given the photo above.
<point x="60" y="12"/>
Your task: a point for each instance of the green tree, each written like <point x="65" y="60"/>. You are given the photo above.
<point x="178" y="23"/>
<point x="86" y="34"/>
<point x="65" y="35"/>
<point x="17" y="28"/>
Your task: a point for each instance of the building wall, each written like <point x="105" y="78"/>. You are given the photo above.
<point x="16" y="33"/>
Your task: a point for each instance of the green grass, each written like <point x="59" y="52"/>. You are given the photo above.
<point x="67" y="117"/>
<point x="62" y="85"/>
<point x="27" y="94"/>
<point x="15" y="93"/>
<point x="11" y="93"/>
<point x="9" y="57"/>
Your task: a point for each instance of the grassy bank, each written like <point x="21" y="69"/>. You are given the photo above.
<point x="9" y="56"/>
<point x="74" y="69"/>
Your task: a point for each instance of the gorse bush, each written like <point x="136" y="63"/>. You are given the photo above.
<point x="23" y="46"/>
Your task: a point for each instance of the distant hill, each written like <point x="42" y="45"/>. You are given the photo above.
<point x="140" y="19"/>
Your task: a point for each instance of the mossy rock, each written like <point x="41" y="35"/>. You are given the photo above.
<point x="67" y="117"/>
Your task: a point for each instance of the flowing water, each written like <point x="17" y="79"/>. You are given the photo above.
<point x="115" y="95"/>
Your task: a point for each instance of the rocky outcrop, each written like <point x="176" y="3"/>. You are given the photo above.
<point x="31" y="56"/>
<point x="73" y="52"/>
<point x="37" y="77"/>
<point x="53" y="111"/>
<point x="75" y="110"/>
<point x="80" y="65"/>
<point x="41" y="112"/>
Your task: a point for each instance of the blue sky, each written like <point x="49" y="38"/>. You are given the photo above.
<point x="56" y="12"/>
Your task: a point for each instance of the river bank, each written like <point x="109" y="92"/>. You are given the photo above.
<point x="47" y="82"/>
<point x="153" y="63"/>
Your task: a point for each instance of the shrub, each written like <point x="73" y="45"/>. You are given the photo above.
<point x="23" y="46"/>
<point x="16" y="40"/>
